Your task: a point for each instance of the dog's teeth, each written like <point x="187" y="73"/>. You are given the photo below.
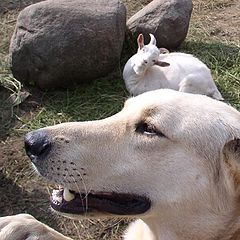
<point x="55" y="192"/>
<point x="67" y="195"/>
<point x="56" y="197"/>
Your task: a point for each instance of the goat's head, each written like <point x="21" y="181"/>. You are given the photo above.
<point x="148" y="54"/>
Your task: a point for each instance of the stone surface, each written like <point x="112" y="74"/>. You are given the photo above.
<point x="60" y="42"/>
<point x="167" y="20"/>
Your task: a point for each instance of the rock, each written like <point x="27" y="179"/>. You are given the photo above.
<point x="167" y="20"/>
<point x="60" y="42"/>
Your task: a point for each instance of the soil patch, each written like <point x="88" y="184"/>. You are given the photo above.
<point x="220" y="19"/>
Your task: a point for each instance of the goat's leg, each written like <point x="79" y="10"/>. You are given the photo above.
<point x="200" y="84"/>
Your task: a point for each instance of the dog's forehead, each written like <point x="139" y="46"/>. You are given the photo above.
<point x="177" y="106"/>
<point x="165" y="98"/>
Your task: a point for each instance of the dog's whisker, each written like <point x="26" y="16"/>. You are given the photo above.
<point x="86" y="201"/>
<point x="85" y="189"/>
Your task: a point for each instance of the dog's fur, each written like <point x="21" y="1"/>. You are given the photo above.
<point x="190" y="170"/>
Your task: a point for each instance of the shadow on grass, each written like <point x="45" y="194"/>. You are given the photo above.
<point x="210" y="52"/>
<point x="15" y="200"/>
<point x="6" y="113"/>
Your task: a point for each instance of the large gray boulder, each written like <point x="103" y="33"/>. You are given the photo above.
<point x="167" y="20"/>
<point x="60" y="42"/>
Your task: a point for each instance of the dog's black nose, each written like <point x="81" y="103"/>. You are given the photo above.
<point x="37" y="145"/>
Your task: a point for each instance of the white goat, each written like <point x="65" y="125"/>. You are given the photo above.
<point x="149" y="69"/>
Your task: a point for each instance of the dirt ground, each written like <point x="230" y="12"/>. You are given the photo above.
<point x="23" y="191"/>
<point x="220" y="19"/>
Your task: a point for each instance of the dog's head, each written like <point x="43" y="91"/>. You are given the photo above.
<point x="165" y="150"/>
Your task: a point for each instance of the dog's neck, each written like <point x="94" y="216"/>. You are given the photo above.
<point x="214" y="214"/>
<point x="200" y="224"/>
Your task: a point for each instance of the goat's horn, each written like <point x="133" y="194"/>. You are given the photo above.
<point x="153" y="39"/>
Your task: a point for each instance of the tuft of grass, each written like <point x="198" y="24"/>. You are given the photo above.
<point x="7" y="25"/>
<point x="8" y="82"/>
<point x="10" y="95"/>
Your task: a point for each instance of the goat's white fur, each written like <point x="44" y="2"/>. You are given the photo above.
<point x="149" y="70"/>
<point x="191" y="176"/>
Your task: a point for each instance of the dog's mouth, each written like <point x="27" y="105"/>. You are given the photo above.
<point x="71" y="202"/>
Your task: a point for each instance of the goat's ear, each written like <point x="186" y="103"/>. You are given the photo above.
<point x="163" y="51"/>
<point x="162" y="64"/>
<point x="140" y="41"/>
<point x="231" y="150"/>
<point x="152" y="39"/>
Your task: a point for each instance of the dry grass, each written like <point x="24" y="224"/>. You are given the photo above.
<point x="7" y="25"/>
<point x="216" y="20"/>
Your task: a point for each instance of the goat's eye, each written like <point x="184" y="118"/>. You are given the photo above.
<point x="147" y="129"/>
<point x="153" y="61"/>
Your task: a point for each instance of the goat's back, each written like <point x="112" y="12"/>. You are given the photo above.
<point x="183" y="60"/>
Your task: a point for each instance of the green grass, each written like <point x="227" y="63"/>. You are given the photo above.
<point x="101" y="99"/>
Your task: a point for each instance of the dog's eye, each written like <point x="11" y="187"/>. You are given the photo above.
<point x="147" y="129"/>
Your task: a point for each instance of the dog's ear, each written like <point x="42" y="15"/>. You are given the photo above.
<point x="231" y="158"/>
<point x="231" y="150"/>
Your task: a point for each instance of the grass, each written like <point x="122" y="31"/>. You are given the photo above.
<point x="10" y="99"/>
<point x="103" y="98"/>
<point x="212" y="5"/>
